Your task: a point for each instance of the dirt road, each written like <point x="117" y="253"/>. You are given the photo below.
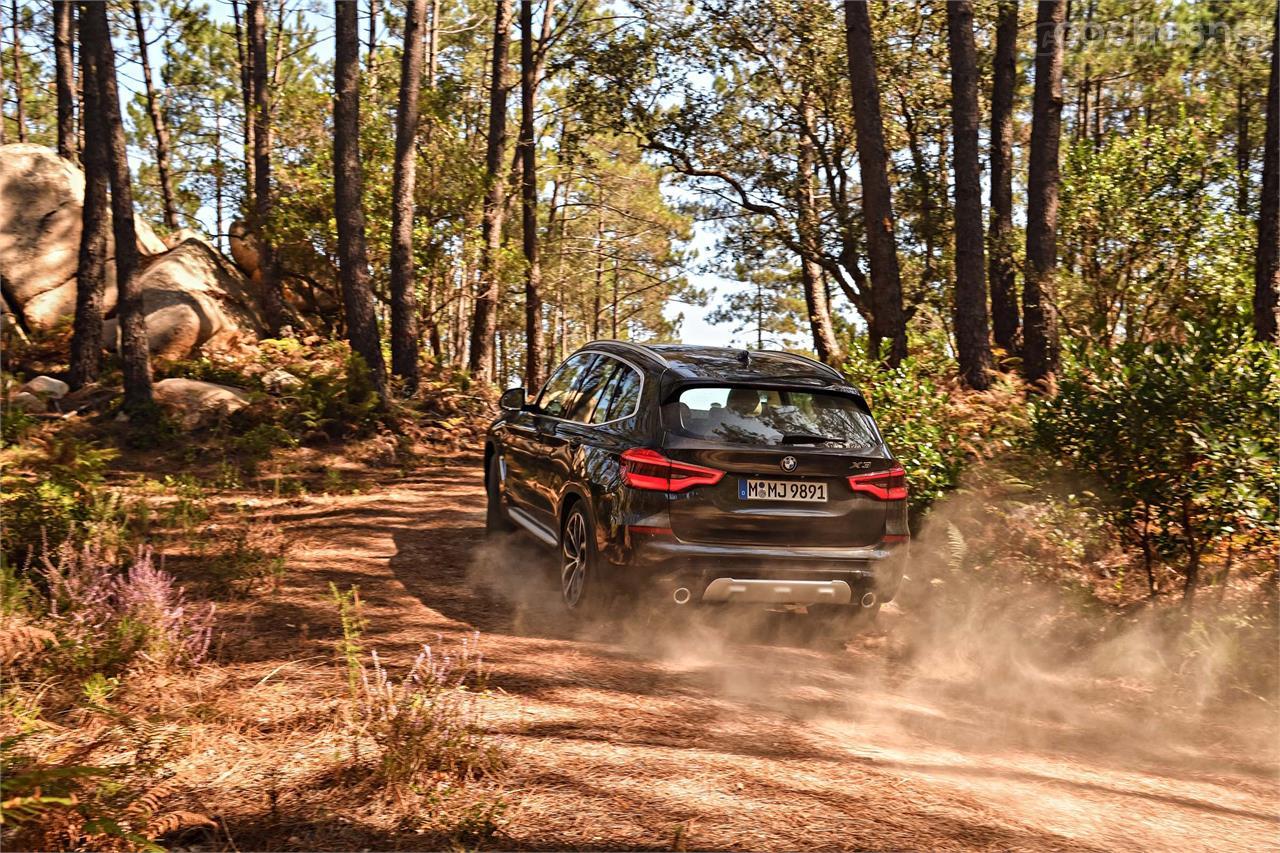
<point x="652" y="736"/>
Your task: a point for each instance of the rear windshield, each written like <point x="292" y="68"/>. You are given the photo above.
<point x="764" y="417"/>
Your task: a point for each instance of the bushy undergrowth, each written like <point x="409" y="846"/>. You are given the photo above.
<point x="935" y="428"/>
<point x="428" y="723"/>
<point x="74" y="627"/>
<point x="1182" y="436"/>
<point x="52" y="492"/>
<point x="105" y="620"/>
<point x="108" y="789"/>
<point x="240" y="557"/>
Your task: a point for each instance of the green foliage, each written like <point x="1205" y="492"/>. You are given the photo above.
<point x="1152" y="251"/>
<point x="189" y="506"/>
<point x="258" y="442"/>
<point x="353" y="624"/>
<point x="15" y="424"/>
<point x="68" y="804"/>
<point x="1181" y="433"/>
<point x="52" y="492"/>
<point x="152" y="428"/>
<point x="933" y="428"/>
<point x="339" y="402"/>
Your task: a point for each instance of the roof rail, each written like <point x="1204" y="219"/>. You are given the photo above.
<point x="640" y="348"/>
<point x="813" y="361"/>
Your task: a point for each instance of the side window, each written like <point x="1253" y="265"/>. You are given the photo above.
<point x="620" y="398"/>
<point x="560" y="391"/>
<point x="592" y="388"/>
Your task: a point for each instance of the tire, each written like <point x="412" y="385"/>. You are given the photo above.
<point x="495" y="514"/>
<point x="581" y="589"/>
<point x="843" y="621"/>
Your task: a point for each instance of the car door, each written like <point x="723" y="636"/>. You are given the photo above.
<point x="524" y="446"/>
<point x="565" y="447"/>
<point x="555" y="405"/>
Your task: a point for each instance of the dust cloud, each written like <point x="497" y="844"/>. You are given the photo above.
<point x="965" y="662"/>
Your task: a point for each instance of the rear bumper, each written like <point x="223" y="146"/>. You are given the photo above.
<point x="758" y="591"/>
<point x="810" y="575"/>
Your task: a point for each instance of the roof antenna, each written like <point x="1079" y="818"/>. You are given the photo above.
<point x="744" y="356"/>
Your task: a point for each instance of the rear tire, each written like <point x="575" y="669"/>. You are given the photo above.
<point x="581" y="589"/>
<point x="495" y="515"/>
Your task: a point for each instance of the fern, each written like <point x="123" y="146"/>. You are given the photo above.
<point x="21" y="641"/>
<point x="353" y="625"/>
<point x="178" y="821"/>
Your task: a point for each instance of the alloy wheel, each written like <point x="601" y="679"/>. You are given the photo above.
<point x="573" y="565"/>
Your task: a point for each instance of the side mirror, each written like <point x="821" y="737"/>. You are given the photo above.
<point x="512" y="400"/>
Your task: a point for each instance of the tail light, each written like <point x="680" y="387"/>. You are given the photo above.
<point x="647" y="469"/>
<point x="888" y="485"/>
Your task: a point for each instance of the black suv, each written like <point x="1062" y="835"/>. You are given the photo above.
<point x="706" y="474"/>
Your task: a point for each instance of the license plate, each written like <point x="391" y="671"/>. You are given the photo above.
<point x="782" y="490"/>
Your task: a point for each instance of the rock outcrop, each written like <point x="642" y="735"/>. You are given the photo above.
<point x="195" y="298"/>
<point x="195" y="301"/>
<point x="47" y="388"/>
<point x="194" y="403"/>
<point x="41" y="203"/>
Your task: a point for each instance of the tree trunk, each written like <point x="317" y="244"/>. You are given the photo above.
<point x="888" y="322"/>
<point x="816" y="304"/>
<point x="433" y="41"/>
<point x="1039" y="324"/>
<point x="158" y="124"/>
<point x="972" y="344"/>
<point x="244" y="52"/>
<point x="1002" y="268"/>
<point x="1242" y="149"/>
<point x="219" y="178"/>
<point x="272" y="295"/>
<point x="65" y="77"/>
<point x="1194" y="553"/>
<point x="348" y="179"/>
<point x="1266" y="287"/>
<point x="485" y="322"/>
<point x="134" y="353"/>
<point x="91" y="270"/>
<point x="534" y="345"/>
<point x="19" y="88"/>
<point x="404" y="301"/>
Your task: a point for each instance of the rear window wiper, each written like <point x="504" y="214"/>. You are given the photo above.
<point x="809" y="438"/>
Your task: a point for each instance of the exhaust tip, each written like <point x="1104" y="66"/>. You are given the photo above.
<point x="869" y="599"/>
<point x="682" y="595"/>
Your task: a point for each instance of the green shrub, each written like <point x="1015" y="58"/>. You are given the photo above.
<point x="52" y="492"/>
<point x="340" y="402"/>
<point x="206" y="369"/>
<point x="1182" y="434"/>
<point x="15" y="424"/>
<point x="152" y="428"/>
<point x="934" y="428"/>
<point x="190" y="504"/>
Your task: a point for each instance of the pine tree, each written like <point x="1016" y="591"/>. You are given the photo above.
<point x="348" y="195"/>
<point x="970" y="297"/>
